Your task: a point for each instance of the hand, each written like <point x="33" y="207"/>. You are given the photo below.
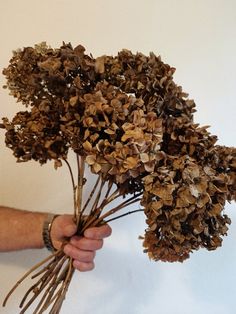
<point x="81" y="249"/>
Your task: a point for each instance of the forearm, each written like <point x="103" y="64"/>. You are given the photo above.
<point x="20" y="229"/>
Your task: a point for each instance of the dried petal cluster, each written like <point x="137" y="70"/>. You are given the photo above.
<point x="134" y="126"/>
<point x="183" y="202"/>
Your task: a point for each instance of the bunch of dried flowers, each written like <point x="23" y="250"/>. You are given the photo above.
<point x="127" y="119"/>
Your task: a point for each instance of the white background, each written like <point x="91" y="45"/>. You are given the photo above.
<point x="198" y="37"/>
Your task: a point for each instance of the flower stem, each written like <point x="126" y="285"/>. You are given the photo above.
<point x="123" y="215"/>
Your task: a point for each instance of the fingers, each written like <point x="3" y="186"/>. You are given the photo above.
<point x="78" y="254"/>
<point x="83" y="266"/>
<point x="98" y="232"/>
<point x="83" y="249"/>
<point x="84" y="243"/>
<point x="83" y="259"/>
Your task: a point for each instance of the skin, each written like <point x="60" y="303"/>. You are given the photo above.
<point x="26" y="227"/>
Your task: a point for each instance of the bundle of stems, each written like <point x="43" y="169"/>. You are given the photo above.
<point x="54" y="273"/>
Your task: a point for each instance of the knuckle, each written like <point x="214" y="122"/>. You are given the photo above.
<point x="88" y="266"/>
<point x="99" y="244"/>
<point x="81" y="266"/>
<point x="68" y="250"/>
<point x="88" y="256"/>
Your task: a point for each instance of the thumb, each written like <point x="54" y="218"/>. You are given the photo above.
<point x="63" y="227"/>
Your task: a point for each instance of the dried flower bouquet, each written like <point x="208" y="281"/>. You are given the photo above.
<point x="125" y="118"/>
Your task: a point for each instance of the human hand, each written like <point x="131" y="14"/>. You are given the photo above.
<point x="81" y="249"/>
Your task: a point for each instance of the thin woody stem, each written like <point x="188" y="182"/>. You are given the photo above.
<point x="95" y="220"/>
<point x="91" y="195"/>
<point x="52" y="287"/>
<point x="60" y="294"/>
<point x="68" y="270"/>
<point x="56" y="276"/>
<point x="73" y="186"/>
<point x="109" y="198"/>
<point x="43" y="269"/>
<point x="95" y="209"/>
<point x="116" y="209"/>
<point x="96" y="201"/>
<point x="81" y="168"/>
<point x="110" y="184"/>
<point x="105" y="202"/>
<point x="123" y="215"/>
<point x="96" y="213"/>
<point x="71" y="174"/>
<point x="28" y="273"/>
<point x="47" y="279"/>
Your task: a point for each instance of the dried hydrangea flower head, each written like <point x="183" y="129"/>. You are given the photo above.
<point x="184" y="203"/>
<point x="135" y="128"/>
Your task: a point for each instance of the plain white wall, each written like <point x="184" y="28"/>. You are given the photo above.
<point x="198" y="38"/>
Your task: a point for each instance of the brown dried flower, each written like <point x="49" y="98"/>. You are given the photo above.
<point x="134" y="127"/>
<point x="184" y="204"/>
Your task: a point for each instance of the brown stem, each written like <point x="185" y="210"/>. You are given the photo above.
<point x="96" y="213"/>
<point x="71" y="174"/>
<point x="116" y="209"/>
<point x="60" y="295"/>
<point x="81" y="168"/>
<point x="43" y="269"/>
<point x="28" y="273"/>
<point x="73" y="186"/>
<point x="52" y="287"/>
<point x="44" y="281"/>
<point x="110" y="184"/>
<point x="123" y="215"/>
<point x="91" y="195"/>
<point x="96" y="201"/>
<point x="105" y="202"/>
<point x="56" y="276"/>
<point x="95" y="220"/>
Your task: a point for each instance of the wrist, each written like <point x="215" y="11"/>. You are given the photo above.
<point x="46" y="232"/>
